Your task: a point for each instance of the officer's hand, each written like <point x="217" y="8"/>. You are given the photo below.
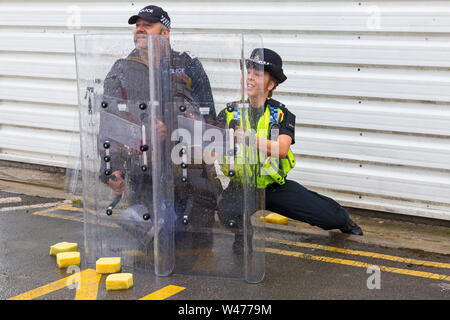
<point x="184" y="79"/>
<point x="239" y="134"/>
<point x="161" y="130"/>
<point x="116" y="183"/>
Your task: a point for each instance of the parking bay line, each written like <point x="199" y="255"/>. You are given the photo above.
<point x="89" y="280"/>
<point x="300" y="244"/>
<point x="10" y="200"/>
<point x="362" y="253"/>
<point x="52" y="286"/>
<point x="88" y="285"/>
<point x="163" y="293"/>
<point x="359" y="264"/>
<point x="52" y="213"/>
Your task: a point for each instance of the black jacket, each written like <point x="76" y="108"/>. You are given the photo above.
<point x="128" y="79"/>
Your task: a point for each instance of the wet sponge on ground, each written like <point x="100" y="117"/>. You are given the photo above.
<point x="108" y="265"/>
<point x="275" y="218"/>
<point x="119" y="281"/>
<point x="66" y="259"/>
<point x="63" y="247"/>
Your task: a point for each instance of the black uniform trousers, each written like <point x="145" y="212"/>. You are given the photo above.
<point x="294" y="201"/>
<point x="291" y="200"/>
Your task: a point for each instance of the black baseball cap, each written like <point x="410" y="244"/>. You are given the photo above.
<point x="152" y="14"/>
<point x="269" y="60"/>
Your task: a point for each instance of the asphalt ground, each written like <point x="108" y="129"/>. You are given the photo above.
<point x="302" y="262"/>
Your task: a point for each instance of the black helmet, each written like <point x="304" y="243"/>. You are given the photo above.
<point x="269" y="60"/>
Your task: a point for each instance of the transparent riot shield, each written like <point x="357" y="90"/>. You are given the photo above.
<point x="113" y="92"/>
<point x="207" y="199"/>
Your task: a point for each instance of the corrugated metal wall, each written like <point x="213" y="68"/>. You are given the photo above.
<point x="368" y="81"/>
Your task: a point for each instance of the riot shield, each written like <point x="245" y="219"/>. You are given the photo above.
<point x="116" y="175"/>
<point x="158" y="170"/>
<point x="204" y="173"/>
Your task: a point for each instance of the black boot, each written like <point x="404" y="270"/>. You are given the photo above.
<point x="351" y="228"/>
<point x="238" y="244"/>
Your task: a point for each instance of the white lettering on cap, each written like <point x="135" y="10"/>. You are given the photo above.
<point x="258" y="61"/>
<point x="165" y="22"/>
<point x="146" y="10"/>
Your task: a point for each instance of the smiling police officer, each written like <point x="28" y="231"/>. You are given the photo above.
<point x="283" y="196"/>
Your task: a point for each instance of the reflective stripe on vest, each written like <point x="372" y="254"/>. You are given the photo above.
<point x="265" y="170"/>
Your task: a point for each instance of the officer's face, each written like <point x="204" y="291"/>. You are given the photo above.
<point x="258" y="82"/>
<point x="143" y="28"/>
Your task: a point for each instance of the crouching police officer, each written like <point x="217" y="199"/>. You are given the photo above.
<point x="128" y="80"/>
<point x="283" y="196"/>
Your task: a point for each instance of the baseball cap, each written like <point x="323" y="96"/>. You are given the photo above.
<point x="269" y="60"/>
<point x="152" y="14"/>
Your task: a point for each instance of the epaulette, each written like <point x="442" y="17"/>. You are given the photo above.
<point x="231" y="106"/>
<point x="134" y="59"/>
<point x="191" y="55"/>
<point x="276" y="103"/>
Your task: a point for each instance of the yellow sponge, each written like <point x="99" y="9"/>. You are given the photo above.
<point x="108" y="265"/>
<point x="63" y="247"/>
<point x="119" y="281"/>
<point x="275" y="218"/>
<point x="65" y="259"/>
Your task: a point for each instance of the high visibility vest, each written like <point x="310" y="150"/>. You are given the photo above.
<point x="260" y="169"/>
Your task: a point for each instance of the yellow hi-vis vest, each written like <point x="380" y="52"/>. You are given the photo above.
<point x="260" y="170"/>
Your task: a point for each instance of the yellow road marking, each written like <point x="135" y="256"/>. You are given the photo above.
<point x="363" y="253"/>
<point x="51" y="287"/>
<point x="56" y="215"/>
<point x="163" y="293"/>
<point x="359" y="264"/>
<point x="68" y="207"/>
<point x="286" y="242"/>
<point x="88" y="287"/>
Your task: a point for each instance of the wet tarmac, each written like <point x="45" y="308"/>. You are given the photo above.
<point x="297" y="265"/>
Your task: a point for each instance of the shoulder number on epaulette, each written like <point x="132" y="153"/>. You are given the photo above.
<point x="190" y="54"/>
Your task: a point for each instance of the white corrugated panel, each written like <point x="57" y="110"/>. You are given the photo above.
<point x="368" y="82"/>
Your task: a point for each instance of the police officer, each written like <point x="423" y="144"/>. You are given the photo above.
<point x="284" y="196"/>
<point x="128" y="80"/>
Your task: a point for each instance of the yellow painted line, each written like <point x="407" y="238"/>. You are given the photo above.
<point x="363" y="253"/>
<point x="50" y="214"/>
<point x="51" y="287"/>
<point x="88" y="286"/>
<point x="68" y="207"/>
<point x="163" y="293"/>
<point x="359" y="264"/>
<point x="65" y="207"/>
<point x="286" y="242"/>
